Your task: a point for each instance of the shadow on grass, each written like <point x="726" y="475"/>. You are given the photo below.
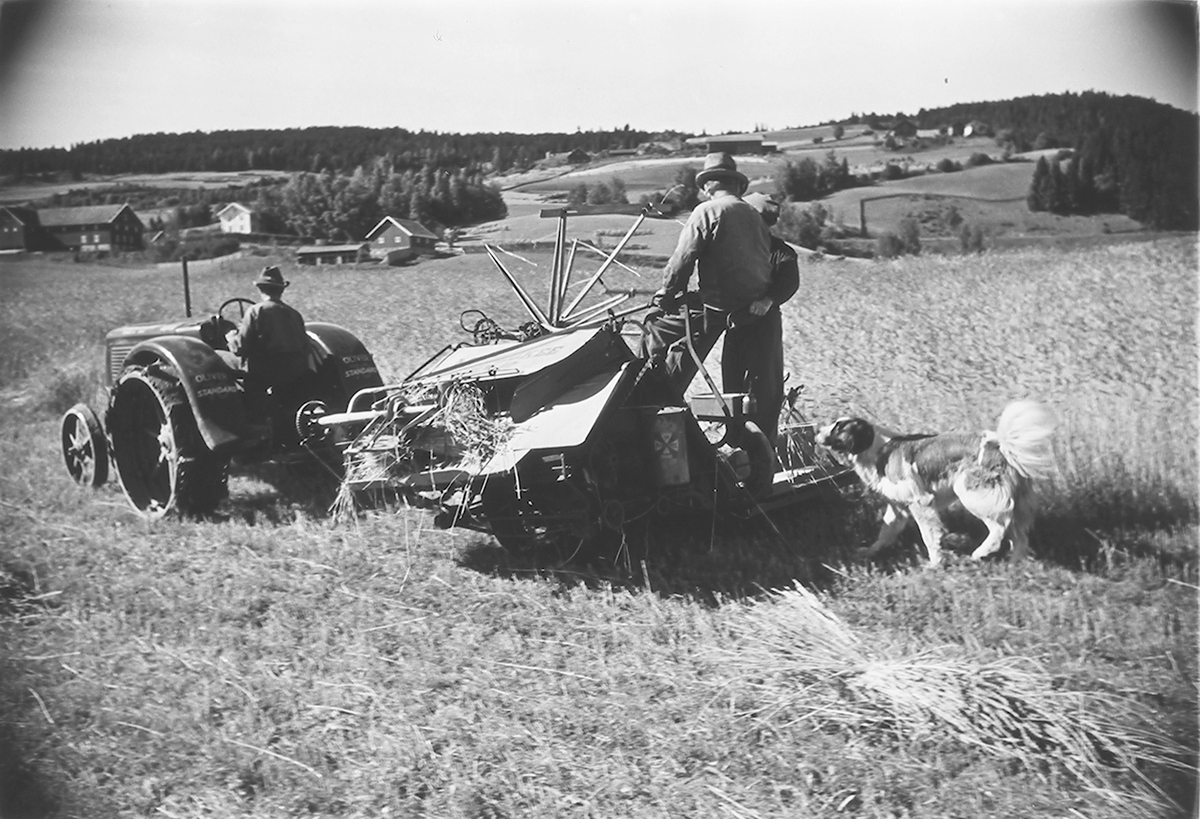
<point x="710" y="559"/>
<point x="1095" y="528"/>
<point x="277" y="493"/>
<point x="715" y="559"/>
<point x="24" y="794"/>
<point x="1090" y="545"/>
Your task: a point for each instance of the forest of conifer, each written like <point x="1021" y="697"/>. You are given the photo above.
<point x="1130" y="155"/>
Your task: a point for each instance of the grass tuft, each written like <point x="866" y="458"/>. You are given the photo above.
<point x="803" y="664"/>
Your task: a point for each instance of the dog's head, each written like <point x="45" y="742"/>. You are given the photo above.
<point x="849" y="436"/>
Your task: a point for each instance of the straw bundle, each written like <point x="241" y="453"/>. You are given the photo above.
<point x="459" y="432"/>
<point x="464" y="416"/>
<point x="360" y="467"/>
<point x="805" y="664"/>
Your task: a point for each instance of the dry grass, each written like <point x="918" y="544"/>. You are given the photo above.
<point x="266" y="663"/>
<point x="1106" y="337"/>
<point x="803" y="665"/>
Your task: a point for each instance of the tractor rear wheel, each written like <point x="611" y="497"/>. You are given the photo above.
<point x="84" y="447"/>
<point x="162" y="462"/>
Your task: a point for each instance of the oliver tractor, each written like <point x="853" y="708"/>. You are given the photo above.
<point x="176" y="416"/>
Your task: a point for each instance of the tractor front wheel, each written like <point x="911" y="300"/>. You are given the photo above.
<point x="162" y="462"/>
<point x="84" y="447"/>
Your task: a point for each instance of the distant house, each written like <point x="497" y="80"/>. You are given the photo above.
<point x="91" y="228"/>
<point x="237" y="218"/>
<point x="904" y="128"/>
<point x="396" y="240"/>
<point x="578" y="156"/>
<point x="19" y="229"/>
<point x="333" y="254"/>
<point x="977" y="128"/>
<point x="730" y="143"/>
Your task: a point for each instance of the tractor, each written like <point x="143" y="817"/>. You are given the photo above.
<point x="177" y="416"/>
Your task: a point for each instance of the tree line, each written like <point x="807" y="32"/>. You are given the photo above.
<point x="808" y="179"/>
<point x="312" y="150"/>
<point x="1146" y="172"/>
<point x="341" y="207"/>
<point x="1129" y="154"/>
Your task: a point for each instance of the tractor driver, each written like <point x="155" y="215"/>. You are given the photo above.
<point x="273" y="343"/>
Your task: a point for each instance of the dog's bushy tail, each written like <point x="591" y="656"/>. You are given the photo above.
<point x="1025" y="431"/>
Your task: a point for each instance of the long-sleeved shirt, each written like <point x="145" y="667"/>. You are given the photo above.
<point x="727" y="243"/>
<point x="273" y="341"/>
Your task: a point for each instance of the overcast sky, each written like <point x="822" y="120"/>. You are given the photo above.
<point x="80" y="70"/>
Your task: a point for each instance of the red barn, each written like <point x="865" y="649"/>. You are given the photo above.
<point x="18" y="229"/>
<point x="93" y="227"/>
<point x="730" y="143"/>
<point x="398" y="239"/>
<point x="333" y="254"/>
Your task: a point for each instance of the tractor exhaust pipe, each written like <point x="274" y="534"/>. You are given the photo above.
<point x="187" y="291"/>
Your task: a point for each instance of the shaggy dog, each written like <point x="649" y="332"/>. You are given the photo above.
<point x="990" y="474"/>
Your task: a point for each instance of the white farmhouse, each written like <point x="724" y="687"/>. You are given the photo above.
<point x="237" y="218"/>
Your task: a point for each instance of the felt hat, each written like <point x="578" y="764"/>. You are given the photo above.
<point x="767" y="207"/>
<point x="271" y="278"/>
<point x="720" y="166"/>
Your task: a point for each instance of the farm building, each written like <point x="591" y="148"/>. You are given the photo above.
<point x="333" y="254"/>
<point x="732" y="144"/>
<point x="904" y="128"/>
<point x="237" y="218"/>
<point x="19" y="229"/>
<point x="399" y="239"/>
<point x="88" y="228"/>
<point x="662" y="146"/>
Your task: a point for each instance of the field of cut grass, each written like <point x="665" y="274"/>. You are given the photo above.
<point x="990" y="197"/>
<point x="201" y="180"/>
<point x="267" y="662"/>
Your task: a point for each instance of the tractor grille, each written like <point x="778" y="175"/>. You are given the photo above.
<point x="117" y="351"/>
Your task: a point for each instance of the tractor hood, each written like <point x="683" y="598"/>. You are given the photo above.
<point x="180" y="327"/>
<point x="119" y="342"/>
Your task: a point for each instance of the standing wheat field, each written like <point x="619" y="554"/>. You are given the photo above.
<point x="269" y="662"/>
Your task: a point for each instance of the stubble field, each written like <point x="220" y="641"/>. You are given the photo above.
<point x="267" y="662"/>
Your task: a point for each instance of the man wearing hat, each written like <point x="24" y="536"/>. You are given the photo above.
<point x="272" y="341"/>
<point x="752" y="358"/>
<point x="727" y="244"/>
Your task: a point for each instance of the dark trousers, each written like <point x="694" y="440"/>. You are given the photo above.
<point x="271" y="384"/>
<point x="663" y="342"/>
<point x="752" y="361"/>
